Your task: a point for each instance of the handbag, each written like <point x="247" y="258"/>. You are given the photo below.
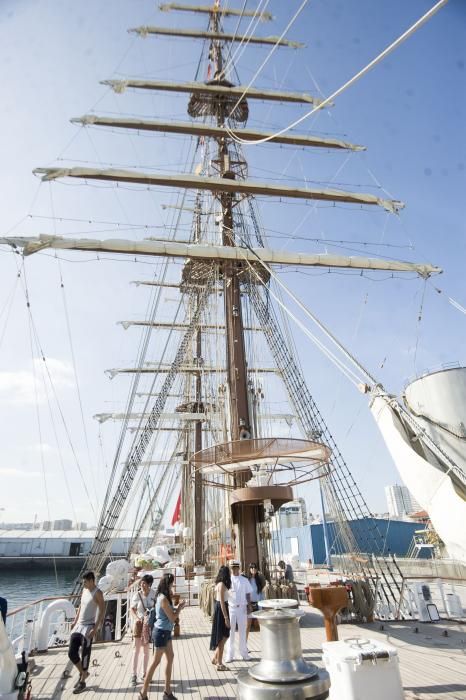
<point x="146" y="629"/>
<point x="137" y="629"/>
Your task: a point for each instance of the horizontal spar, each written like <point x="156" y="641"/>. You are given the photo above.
<point x="213" y="90"/>
<point x="219" y="184"/>
<point x="213" y="131"/>
<point x="207" y="252"/>
<point x="182" y="326"/>
<point x="196" y="417"/>
<point x="185" y="369"/>
<point x="215" y="9"/>
<point x="185" y="417"/>
<point x="215" y="36"/>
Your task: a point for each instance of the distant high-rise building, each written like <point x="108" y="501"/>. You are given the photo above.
<point x="63" y="524"/>
<point x="400" y="501"/>
<point x="80" y="526"/>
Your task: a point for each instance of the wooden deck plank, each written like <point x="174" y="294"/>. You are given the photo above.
<point x="433" y="667"/>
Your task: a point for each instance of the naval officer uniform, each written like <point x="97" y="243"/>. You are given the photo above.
<point x="239" y="598"/>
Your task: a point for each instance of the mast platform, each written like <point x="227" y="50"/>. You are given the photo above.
<point x="431" y="665"/>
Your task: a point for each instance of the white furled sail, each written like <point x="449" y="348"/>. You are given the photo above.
<point x="437" y="490"/>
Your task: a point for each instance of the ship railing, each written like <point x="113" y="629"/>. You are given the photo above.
<point x="23" y="622"/>
<point x="23" y="625"/>
<point x="440" y="588"/>
<point x="455" y="364"/>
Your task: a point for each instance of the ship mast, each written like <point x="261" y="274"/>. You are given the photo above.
<point x="240" y="423"/>
<point x="239" y="269"/>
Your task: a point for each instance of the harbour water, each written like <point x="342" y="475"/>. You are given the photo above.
<point x="23" y="586"/>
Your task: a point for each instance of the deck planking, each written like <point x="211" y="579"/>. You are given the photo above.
<point x="433" y="666"/>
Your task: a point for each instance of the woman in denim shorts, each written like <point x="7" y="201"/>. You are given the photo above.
<point x="166" y="615"/>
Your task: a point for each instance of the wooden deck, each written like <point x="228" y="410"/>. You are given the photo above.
<point x="433" y="666"/>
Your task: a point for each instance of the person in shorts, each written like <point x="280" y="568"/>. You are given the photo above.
<point x="88" y="621"/>
<point x="142" y="603"/>
<point x="166" y="614"/>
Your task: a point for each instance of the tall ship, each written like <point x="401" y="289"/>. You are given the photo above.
<point x="220" y="426"/>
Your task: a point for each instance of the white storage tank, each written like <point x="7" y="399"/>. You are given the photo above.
<point x="362" y="669"/>
<point x="438" y="402"/>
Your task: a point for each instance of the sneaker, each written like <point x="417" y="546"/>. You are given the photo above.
<point x="247" y="658"/>
<point x="229" y="661"/>
<point x="133" y="680"/>
<point x="79" y="688"/>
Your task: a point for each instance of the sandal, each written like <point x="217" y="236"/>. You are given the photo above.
<point x="142" y="697"/>
<point x="222" y="667"/>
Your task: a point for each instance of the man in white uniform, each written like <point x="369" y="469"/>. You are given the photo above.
<point x="239" y="603"/>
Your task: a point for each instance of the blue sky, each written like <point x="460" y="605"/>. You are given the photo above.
<point x="409" y="112"/>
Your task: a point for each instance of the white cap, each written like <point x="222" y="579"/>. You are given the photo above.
<point x="235" y="562"/>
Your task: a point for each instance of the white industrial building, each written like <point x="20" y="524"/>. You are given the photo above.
<point x="37" y="544"/>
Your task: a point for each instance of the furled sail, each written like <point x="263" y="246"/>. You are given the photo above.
<point x="212" y="89"/>
<point x="214" y="131"/>
<point x="209" y="252"/>
<point x="219" y="184"/>
<point x="215" y="36"/>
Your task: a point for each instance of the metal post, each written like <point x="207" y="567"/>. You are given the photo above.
<point x="328" y="559"/>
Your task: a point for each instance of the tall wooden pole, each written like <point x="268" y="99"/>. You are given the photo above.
<point x="240" y="422"/>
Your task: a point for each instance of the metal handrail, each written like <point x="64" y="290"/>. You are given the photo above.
<point x="23" y="632"/>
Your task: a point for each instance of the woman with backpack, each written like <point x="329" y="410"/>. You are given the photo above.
<point x="166" y="614"/>
<point x="142" y="603"/>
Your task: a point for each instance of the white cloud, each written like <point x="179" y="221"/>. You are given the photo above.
<point x="28" y="387"/>
<point x="18" y="473"/>
<point x="41" y="447"/>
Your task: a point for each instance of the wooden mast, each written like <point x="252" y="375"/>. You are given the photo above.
<point x="240" y="423"/>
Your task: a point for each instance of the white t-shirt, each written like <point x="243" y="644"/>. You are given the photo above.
<point x="240" y="587"/>
<point x="141" y="602"/>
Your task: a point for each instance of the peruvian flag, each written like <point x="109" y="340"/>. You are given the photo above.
<point x="177" y="512"/>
